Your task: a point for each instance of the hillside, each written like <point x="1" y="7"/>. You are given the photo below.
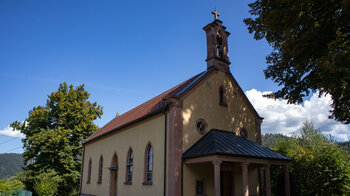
<point x="270" y="139"/>
<point x="10" y="164"/>
<point x="345" y="145"/>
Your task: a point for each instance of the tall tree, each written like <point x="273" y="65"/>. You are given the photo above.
<point x="311" y="48"/>
<point x="53" y="134"/>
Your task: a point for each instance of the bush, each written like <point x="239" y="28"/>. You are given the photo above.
<point x="46" y="184"/>
<point x="319" y="165"/>
<point x="10" y="186"/>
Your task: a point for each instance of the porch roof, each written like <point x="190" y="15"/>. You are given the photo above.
<point x="219" y="142"/>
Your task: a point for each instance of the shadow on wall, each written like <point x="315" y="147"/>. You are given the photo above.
<point x="204" y="103"/>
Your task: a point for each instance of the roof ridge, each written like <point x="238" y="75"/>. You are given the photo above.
<point x="164" y="92"/>
<point x="202" y="74"/>
<point x="214" y="139"/>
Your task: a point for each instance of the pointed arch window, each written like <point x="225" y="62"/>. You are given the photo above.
<point x="100" y="168"/>
<point x="89" y="173"/>
<point x="129" y="166"/>
<point x="148" y="176"/>
<point x="113" y="175"/>
<point x="222" y="96"/>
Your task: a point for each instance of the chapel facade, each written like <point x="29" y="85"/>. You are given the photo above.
<point x="199" y="138"/>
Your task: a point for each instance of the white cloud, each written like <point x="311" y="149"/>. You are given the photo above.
<point x="280" y="117"/>
<point x="8" y="132"/>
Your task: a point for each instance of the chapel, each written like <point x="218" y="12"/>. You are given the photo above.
<point x="199" y="138"/>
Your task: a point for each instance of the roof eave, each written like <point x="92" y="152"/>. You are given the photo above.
<point x="123" y="126"/>
<point x="227" y="154"/>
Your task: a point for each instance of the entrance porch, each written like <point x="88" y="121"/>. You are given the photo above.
<point x="231" y="174"/>
<point x="231" y="165"/>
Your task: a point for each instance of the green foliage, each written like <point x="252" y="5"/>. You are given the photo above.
<point x="10" y="164"/>
<point x="319" y="166"/>
<point x="345" y="146"/>
<point x="311" y="42"/>
<point x="270" y="139"/>
<point x="53" y="134"/>
<point x="11" y="185"/>
<point x="46" y="184"/>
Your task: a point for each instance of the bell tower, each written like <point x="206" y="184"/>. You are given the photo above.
<point x="217" y="48"/>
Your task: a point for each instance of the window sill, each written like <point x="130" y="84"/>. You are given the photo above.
<point x="128" y="183"/>
<point x="147" y="183"/>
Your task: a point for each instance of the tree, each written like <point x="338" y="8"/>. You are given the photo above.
<point x="46" y="184"/>
<point x="10" y="185"/>
<point x="319" y="166"/>
<point x="53" y="135"/>
<point x="311" y="48"/>
<point x="345" y="146"/>
<point x="270" y="139"/>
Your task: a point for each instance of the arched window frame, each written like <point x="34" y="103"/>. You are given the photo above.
<point x="201" y="126"/>
<point x="113" y="181"/>
<point x="88" y="180"/>
<point x="129" y="166"/>
<point x="100" y="170"/>
<point x="243" y="133"/>
<point x="219" y="41"/>
<point x="222" y="96"/>
<point x="148" y="167"/>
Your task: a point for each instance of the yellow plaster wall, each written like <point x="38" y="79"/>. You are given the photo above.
<point x="203" y="102"/>
<point x="194" y="172"/>
<point x="137" y="137"/>
<point x="205" y="172"/>
<point x="253" y="180"/>
<point x="253" y="176"/>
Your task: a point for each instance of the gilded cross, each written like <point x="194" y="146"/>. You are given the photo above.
<point x="216" y="14"/>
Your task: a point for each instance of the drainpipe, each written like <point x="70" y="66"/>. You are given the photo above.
<point x="82" y="169"/>
<point x="182" y="177"/>
<point x="165" y="149"/>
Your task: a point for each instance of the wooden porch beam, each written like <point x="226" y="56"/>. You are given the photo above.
<point x="286" y="180"/>
<point x="245" y="178"/>
<point x="267" y="180"/>
<point x="226" y="158"/>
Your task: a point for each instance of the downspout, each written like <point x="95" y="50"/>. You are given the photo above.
<point x="165" y="150"/>
<point x="82" y="170"/>
<point x="182" y="177"/>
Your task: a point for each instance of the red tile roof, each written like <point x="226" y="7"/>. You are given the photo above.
<point x="152" y="106"/>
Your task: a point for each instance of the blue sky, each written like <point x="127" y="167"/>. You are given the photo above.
<point x="125" y="52"/>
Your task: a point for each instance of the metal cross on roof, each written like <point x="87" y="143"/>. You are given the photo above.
<point x="216" y="14"/>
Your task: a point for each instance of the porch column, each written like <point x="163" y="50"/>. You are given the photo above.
<point x="267" y="180"/>
<point x="217" y="182"/>
<point x="286" y="180"/>
<point x="245" y="178"/>
<point x="262" y="181"/>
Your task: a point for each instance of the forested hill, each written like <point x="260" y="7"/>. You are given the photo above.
<point x="10" y="164"/>
<point x="345" y="145"/>
<point x="270" y="139"/>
